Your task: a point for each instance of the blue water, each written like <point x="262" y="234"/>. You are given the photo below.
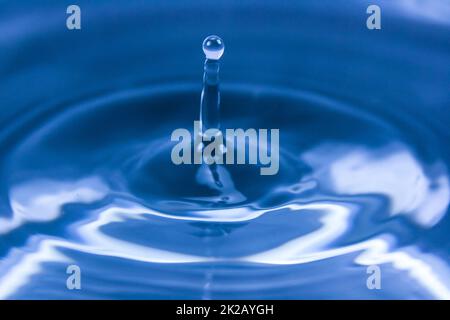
<point x="86" y="176"/>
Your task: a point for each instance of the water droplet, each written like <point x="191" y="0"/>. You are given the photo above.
<point x="213" y="47"/>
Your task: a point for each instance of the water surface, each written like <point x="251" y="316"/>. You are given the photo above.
<point x="86" y="176"/>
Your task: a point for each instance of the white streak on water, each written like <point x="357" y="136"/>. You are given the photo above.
<point x="428" y="271"/>
<point x="391" y="171"/>
<point x="41" y="200"/>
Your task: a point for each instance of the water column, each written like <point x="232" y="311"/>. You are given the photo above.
<point x="213" y="48"/>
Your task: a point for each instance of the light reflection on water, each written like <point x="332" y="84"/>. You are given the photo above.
<point x="87" y="178"/>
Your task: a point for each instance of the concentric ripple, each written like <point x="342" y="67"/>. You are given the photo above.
<point x="353" y="194"/>
<point x="86" y="176"/>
